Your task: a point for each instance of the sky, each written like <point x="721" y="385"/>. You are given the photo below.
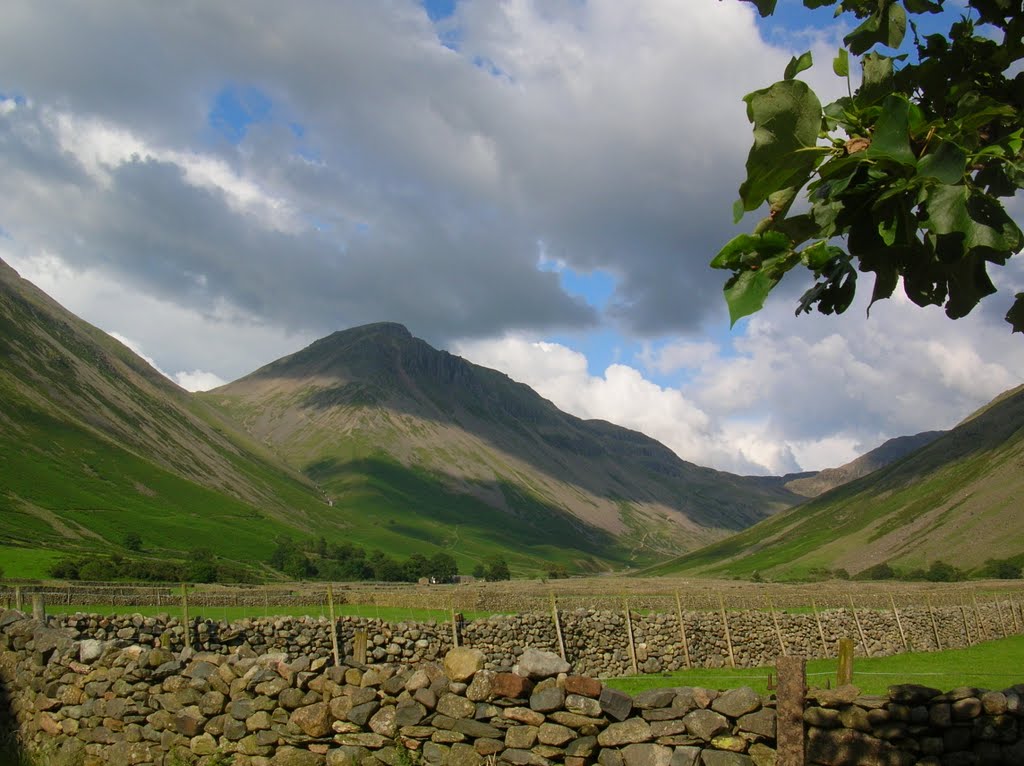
<point x="535" y="185"/>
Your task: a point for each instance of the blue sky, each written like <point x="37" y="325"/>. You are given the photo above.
<point x="537" y="185"/>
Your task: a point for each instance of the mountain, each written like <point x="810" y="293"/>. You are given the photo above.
<point x="96" y="444"/>
<point x="412" y="442"/>
<point x="822" y="481"/>
<point x="956" y="499"/>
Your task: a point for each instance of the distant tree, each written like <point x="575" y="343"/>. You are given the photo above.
<point x="133" y="542"/>
<point x="558" y="572"/>
<point x="1000" y="569"/>
<point x="497" y="569"/>
<point x="479" y="571"/>
<point x="415" y="567"/>
<point x="443" y="567"/>
<point x="940" y="571"/>
<point x="97" y="570"/>
<point x="841" y="574"/>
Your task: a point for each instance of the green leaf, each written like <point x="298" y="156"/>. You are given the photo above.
<point x="841" y="63"/>
<point x="877" y="81"/>
<point x="968" y="220"/>
<point x="765" y="246"/>
<point x="798" y="65"/>
<point x="745" y="293"/>
<point x="923" y="6"/>
<point x="887" y="25"/>
<point x="891" y="138"/>
<point x="786" y="118"/>
<point x="1015" y="316"/>
<point x="968" y="282"/>
<point x="947" y="163"/>
<point x="817" y="256"/>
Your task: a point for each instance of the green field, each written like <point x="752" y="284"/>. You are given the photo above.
<point x="988" y="665"/>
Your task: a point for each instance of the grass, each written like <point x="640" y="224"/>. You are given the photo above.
<point x="232" y="613"/>
<point x="27" y="563"/>
<point x="988" y="665"/>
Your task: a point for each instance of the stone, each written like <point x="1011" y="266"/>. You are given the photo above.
<point x="577" y="703"/>
<point x="726" y="758"/>
<point x="705" y="724"/>
<point x="839" y="747"/>
<point x="825" y="718"/>
<point x="547" y="700"/>
<point x="537" y="664"/>
<point x="583" y="747"/>
<point x="476" y="729"/>
<point x="966" y="709"/>
<point x="486" y="746"/>
<point x="686" y="755"/>
<point x="555" y="734"/>
<point x="524" y="715"/>
<point x="761" y="723"/>
<point x="511" y="685"/>
<point x="583" y="686"/>
<point x="293" y="756"/>
<point x="616" y="704"/>
<point x="314" y="720"/>
<point x="361" y="714"/>
<point x="762" y="755"/>
<point x="854" y="717"/>
<point x="409" y="712"/>
<point x="838" y="697"/>
<point x="463" y="755"/>
<point x="737" y="702"/>
<point x="628" y="732"/>
<point x="730" y="742"/>
<point x="482" y="686"/>
<point x="91" y="650"/>
<point x="462" y="662"/>
<point x="455" y="706"/>
<point x="647" y="755"/>
<point x="384" y="722"/>
<point x="993" y="703"/>
<point x="912" y="694"/>
<point x="654" y="698"/>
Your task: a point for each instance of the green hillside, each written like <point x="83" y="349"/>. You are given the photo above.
<point x="958" y="499"/>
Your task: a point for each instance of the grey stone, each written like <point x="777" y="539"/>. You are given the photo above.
<point x="616" y="704"/>
<point x="705" y="724"/>
<point x="647" y="755"/>
<point x="654" y="698"/>
<point x="761" y="723"/>
<point x="535" y="663"/>
<point x="628" y="732"/>
<point x="546" y="700"/>
<point x="737" y="702"/>
<point x="725" y="758"/>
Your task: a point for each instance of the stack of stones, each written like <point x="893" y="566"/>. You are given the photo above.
<point x="915" y="726"/>
<point x="94" y="702"/>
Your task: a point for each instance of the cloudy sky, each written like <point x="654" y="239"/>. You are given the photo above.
<point x="537" y="185"/>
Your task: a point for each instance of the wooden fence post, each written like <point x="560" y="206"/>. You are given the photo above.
<point x="455" y="629"/>
<point x="184" y="616"/>
<point x="359" y="646"/>
<point x="844" y="671"/>
<point x="629" y="633"/>
<point x="856" y="619"/>
<point x="728" y="637"/>
<point x="334" y="625"/>
<point x="682" y="631"/>
<point x="821" y="631"/>
<point x="792" y="686"/>
<point x="935" y="626"/>
<point x="967" y="629"/>
<point x="982" y="633"/>
<point x="778" y="630"/>
<point x="558" y="625"/>
<point x="19" y="602"/>
<point x="899" y="624"/>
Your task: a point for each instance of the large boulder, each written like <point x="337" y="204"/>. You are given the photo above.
<point x="461" y="663"/>
<point x="535" y="663"/>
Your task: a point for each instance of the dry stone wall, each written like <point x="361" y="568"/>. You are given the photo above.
<point x="86" y="702"/>
<point x="596" y="642"/>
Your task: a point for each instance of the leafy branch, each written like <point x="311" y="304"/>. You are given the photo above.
<point x="903" y="177"/>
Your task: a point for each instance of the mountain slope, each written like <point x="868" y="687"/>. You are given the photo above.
<point x="957" y="499"/>
<point x="95" y="443"/>
<point x="881" y="456"/>
<point x="374" y="400"/>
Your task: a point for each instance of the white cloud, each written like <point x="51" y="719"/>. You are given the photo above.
<point x="198" y="380"/>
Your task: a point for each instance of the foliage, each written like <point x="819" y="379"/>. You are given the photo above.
<point x="1000" y="569"/>
<point x="133" y="542"/>
<point x="202" y="566"/>
<point x="497" y="569"/>
<point x="903" y="176"/>
<point x="347" y="562"/>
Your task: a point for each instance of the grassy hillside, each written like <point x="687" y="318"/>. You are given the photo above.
<point x="958" y="499"/>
